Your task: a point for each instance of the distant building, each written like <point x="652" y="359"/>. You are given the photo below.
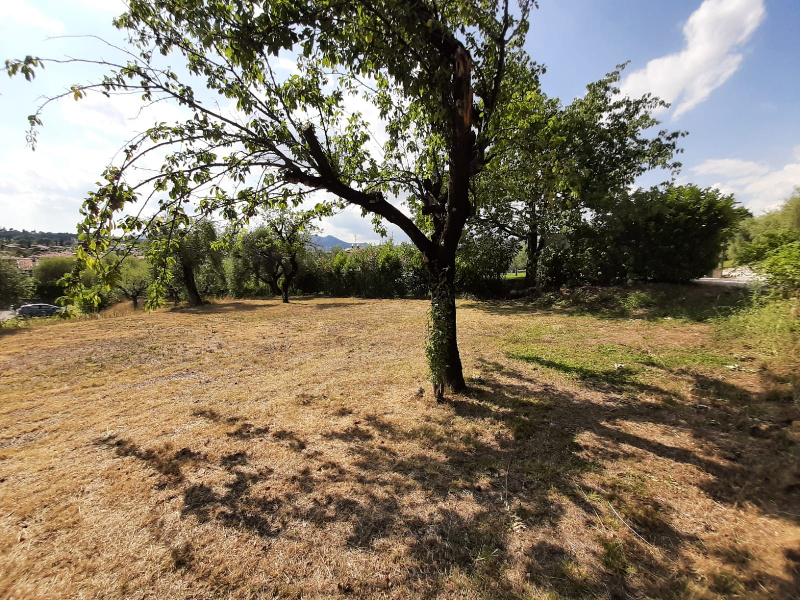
<point x="62" y="254"/>
<point x="27" y="264"/>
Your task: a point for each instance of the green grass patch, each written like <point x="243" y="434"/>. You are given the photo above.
<point x="694" y="303"/>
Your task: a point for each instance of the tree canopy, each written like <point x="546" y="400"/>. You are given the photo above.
<point x="558" y="162"/>
<point x="435" y="71"/>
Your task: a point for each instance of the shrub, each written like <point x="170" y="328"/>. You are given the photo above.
<point x="782" y="268"/>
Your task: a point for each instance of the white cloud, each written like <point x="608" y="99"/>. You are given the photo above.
<point x="287" y="64"/>
<point x="23" y="14"/>
<point x="730" y="167"/>
<point x="122" y="116"/>
<point x="757" y="186"/>
<point x="44" y="189"/>
<point x="713" y="33"/>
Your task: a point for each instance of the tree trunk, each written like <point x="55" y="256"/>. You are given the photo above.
<point x="273" y="286"/>
<point x="288" y="277"/>
<point x="442" y="344"/>
<point x="191" y="286"/>
<point x="532" y="249"/>
<point x="135" y="299"/>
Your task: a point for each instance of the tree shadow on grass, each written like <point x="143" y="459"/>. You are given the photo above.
<point x="466" y="504"/>
<point x="340" y="304"/>
<point x="225" y="307"/>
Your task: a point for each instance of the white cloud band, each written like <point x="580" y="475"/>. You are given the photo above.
<point x="713" y="34"/>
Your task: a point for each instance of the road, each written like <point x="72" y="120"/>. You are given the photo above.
<point x="6" y="314"/>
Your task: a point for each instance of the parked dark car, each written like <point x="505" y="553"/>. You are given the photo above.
<point x="38" y="310"/>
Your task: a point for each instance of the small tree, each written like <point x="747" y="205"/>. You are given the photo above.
<point x="48" y="273"/>
<point x="271" y="253"/>
<point x="758" y="237"/>
<point x="134" y="280"/>
<point x="185" y="259"/>
<point x="15" y="286"/>
<point x="483" y="257"/>
<point x="782" y="268"/>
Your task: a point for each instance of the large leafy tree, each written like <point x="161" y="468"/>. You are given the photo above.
<point x="561" y="163"/>
<point x="435" y="69"/>
<point x="190" y="259"/>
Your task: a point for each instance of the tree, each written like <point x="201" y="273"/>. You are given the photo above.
<point x="565" y="161"/>
<point x="15" y="286"/>
<point x="186" y="258"/>
<point x="436" y="71"/>
<point x="135" y="275"/>
<point x="483" y="257"/>
<point x="271" y="252"/>
<point x="48" y="273"/>
<point x="758" y="237"/>
<point x="782" y="268"/>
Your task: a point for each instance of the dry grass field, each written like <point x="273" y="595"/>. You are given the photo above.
<point x="251" y="449"/>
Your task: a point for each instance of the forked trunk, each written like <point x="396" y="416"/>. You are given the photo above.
<point x="288" y="277"/>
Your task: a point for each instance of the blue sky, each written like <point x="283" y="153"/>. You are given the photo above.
<point x="730" y="67"/>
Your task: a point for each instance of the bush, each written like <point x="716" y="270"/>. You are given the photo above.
<point x="47" y="274"/>
<point x="15" y="286"/>
<point x="782" y="268"/>
<point x="667" y="235"/>
<point x="481" y="261"/>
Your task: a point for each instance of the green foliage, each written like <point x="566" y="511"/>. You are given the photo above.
<point x="670" y="234"/>
<point x="48" y="273"/>
<point x="767" y="242"/>
<point x="760" y="236"/>
<point x="483" y="257"/>
<point x="562" y="162"/>
<point x="782" y="268"/>
<point x="15" y="286"/>
<point x="271" y="255"/>
<point x="187" y="262"/>
<point x="135" y="277"/>
<point x="385" y="271"/>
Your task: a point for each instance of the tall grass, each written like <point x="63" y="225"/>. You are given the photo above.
<point x="770" y="328"/>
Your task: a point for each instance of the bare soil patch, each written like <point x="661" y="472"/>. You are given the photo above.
<point x="252" y="449"/>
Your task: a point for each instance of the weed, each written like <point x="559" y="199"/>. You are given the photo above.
<point x="614" y="557"/>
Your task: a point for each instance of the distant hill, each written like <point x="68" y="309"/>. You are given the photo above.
<point x="328" y="242"/>
<point x="26" y="238"/>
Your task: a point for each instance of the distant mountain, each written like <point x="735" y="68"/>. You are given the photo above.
<point x="328" y="242"/>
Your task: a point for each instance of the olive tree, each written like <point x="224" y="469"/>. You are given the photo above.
<point x="271" y="253"/>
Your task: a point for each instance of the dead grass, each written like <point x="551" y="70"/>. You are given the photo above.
<point x="258" y="450"/>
